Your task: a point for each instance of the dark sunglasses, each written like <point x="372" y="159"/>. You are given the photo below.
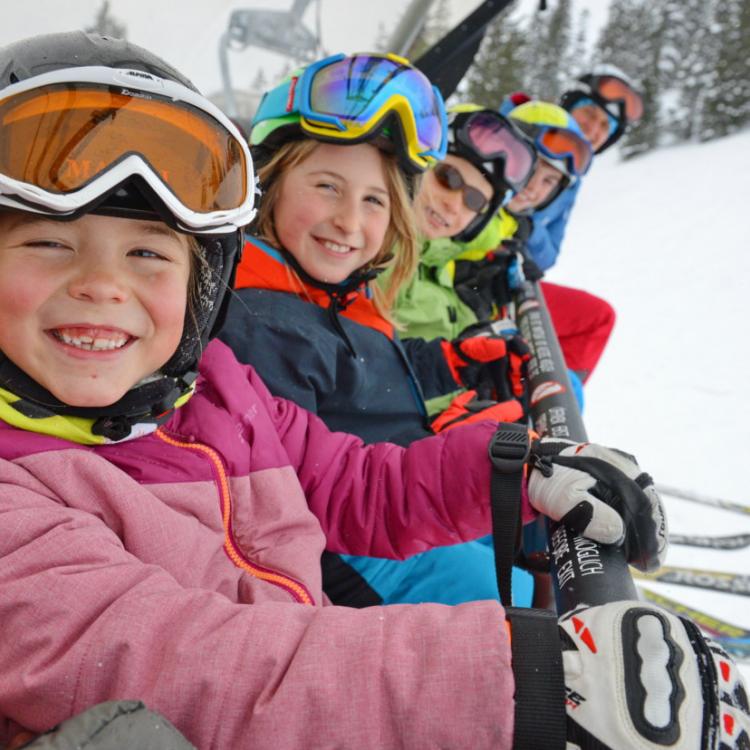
<point x="450" y="178"/>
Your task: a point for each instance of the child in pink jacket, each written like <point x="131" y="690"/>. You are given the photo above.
<point x="163" y="515"/>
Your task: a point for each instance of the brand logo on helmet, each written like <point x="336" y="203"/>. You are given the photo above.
<point x="290" y="96"/>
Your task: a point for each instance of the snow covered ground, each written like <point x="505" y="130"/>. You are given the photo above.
<point x="665" y="239"/>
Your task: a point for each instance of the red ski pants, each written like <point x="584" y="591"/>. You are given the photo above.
<point x="583" y="323"/>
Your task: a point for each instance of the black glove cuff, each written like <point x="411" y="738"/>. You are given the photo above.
<point x="540" y="719"/>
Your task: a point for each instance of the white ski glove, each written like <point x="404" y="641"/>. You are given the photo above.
<point x="602" y="494"/>
<point x="639" y="678"/>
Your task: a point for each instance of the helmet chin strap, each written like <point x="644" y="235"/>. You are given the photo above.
<point x="337" y="293"/>
<point x="349" y="284"/>
<point x="151" y="400"/>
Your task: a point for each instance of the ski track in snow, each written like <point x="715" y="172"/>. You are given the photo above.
<point x="664" y="239"/>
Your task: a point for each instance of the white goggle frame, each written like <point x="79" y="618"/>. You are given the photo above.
<point x="33" y="199"/>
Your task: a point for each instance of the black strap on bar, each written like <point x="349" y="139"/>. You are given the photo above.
<point x="540" y="719"/>
<point x="509" y="450"/>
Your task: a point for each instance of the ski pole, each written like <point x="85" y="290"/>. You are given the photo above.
<point x="583" y="571"/>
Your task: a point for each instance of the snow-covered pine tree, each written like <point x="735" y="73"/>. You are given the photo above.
<point x="260" y="82"/>
<point x="381" y="38"/>
<point x="726" y="102"/>
<point x="500" y="66"/>
<point x="694" y="48"/>
<point x="578" y="54"/>
<point x="632" y="39"/>
<point x="436" y="26"/>
<point x="548" y="52"/>
<point x="673" y="44"/>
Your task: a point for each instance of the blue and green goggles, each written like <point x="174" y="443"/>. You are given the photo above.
<point x="354" y="99"/>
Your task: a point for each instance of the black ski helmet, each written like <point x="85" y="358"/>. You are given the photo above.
<point x="493" y="170"/>
<point x="26" y="59"/>
<point x="586" y="86"/>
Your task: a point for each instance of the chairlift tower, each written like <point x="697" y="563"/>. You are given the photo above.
<point x="275" y="30"/>
<point x="284" y="32"/>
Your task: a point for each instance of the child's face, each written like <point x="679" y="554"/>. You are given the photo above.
<point x="594" y="123"/>
<point x="333" y="210"/>
<point x="544" y="180"/>
<point x="442" y="212"/>
<point x="90" y="307"/>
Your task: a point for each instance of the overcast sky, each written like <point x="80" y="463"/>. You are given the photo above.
<point x="187" y="32"/>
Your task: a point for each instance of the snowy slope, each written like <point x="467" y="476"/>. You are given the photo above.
<point x="665" y="239"/>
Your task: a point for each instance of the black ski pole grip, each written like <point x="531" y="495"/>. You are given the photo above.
<point x="583" y="571"/>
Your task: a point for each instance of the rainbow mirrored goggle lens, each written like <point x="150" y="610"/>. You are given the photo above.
<point x="64" y="144"/>
<point x="354" y="98"/>
<point x="613" y="89"/>
<point x="563" y="144"/>
<point x="492" y="137"/>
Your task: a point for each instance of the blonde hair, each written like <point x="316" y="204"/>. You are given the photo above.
<point x="400" y="249"/>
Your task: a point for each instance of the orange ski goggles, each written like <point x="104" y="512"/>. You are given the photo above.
<point x="614" y="89"/>
<point x="69" y="137"/>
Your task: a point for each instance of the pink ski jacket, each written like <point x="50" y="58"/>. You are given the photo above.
<point x="182" y="569"/>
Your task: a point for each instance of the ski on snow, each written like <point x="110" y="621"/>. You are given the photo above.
<point x="696" y="497"/>
<point x="713" y="580"/>
<point x="732" y="638"/>
<point x="734" y="541"/>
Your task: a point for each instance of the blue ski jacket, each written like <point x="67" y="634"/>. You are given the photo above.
<point x="549" y="223"/>
<point x="549" y="227"/>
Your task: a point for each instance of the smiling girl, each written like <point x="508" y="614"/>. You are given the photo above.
<point x="488" y="162"/>
<point x="335" y="213"/>
<point x="307" y="315"/>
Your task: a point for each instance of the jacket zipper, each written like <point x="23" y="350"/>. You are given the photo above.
<point x="295" y="589"/>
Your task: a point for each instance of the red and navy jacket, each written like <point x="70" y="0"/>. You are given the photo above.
<point x="335" y="355"/>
